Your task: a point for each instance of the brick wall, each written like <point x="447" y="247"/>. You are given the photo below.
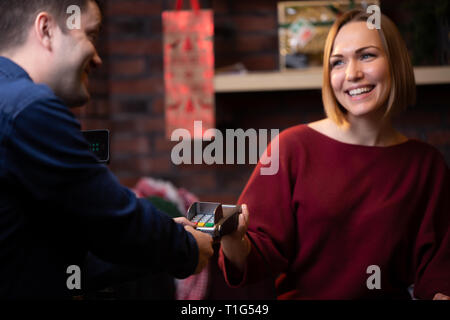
<point x="128" y="94"/>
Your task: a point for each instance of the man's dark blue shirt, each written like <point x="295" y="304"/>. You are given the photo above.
<point x="57" y="203"/>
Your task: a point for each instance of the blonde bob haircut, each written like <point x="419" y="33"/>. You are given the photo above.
<point x="403" y="86"/>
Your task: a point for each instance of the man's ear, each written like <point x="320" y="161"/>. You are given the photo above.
<point x="44" y="27"/>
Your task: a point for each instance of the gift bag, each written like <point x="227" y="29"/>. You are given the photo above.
<point x="189" y="69"/>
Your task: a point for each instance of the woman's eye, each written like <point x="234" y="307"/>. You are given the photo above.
<point x="336" y="63"/>
<point x="367" y="56"/>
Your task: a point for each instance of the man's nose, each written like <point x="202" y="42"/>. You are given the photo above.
<point x="96" y="61"/>
<point x="353" y="71"/>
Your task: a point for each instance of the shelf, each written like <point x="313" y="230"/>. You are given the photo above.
<point x="310" y="78"/>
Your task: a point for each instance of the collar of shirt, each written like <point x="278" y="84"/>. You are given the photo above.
<point x="10" y="69"/>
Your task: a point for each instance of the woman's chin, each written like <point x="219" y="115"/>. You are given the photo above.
<point x="365" y="111"/>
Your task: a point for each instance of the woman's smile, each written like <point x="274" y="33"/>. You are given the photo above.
<point x="360" y="92"/>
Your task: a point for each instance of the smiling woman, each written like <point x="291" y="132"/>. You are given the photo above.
<point x="352" y="193"/>
<point x="357" y="58"/>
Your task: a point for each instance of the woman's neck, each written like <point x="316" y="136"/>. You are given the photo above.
<point x="369" y="131"/>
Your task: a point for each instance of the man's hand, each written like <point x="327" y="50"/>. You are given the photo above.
<point x="205" y="249"/>
<point x="184" y="221"/>
<point x="440" y="296"/>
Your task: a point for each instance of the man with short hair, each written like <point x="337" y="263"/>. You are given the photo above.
<point x="56" y="202"/>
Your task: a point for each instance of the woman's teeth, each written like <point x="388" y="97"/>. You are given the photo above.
<point x="359" y="91"/>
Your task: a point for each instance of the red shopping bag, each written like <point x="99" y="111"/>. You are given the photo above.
<point x="188" y="68"/>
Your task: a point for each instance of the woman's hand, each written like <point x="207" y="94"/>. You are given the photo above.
<point x="236" y="246"/>
<point x="441" y="296"/>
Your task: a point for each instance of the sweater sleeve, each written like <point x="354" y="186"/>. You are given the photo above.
<point x="49" y="158"/>
<point x="272" y="223"/>
<point x="432" y="249"/>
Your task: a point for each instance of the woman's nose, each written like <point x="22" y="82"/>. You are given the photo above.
<point x="353" y="71"/>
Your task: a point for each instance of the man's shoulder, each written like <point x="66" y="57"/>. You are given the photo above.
<point x="18" y="94"/>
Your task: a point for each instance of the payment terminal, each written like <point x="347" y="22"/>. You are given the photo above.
<point x="215" y="219"/>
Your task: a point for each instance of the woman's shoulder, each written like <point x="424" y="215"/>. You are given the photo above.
<point x="309" y="134"/>
<point x="425" y="150"/>
<point x="304" y="137"/>
<point x="313" y="134"/>
<point x="293" y="139"/>
<point x="295" y="134"/>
